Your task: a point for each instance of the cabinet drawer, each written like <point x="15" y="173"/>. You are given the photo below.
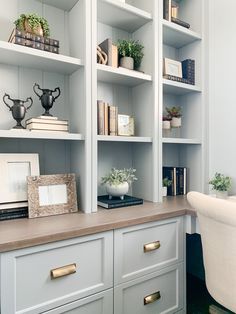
<point x="100" y="303"/>
<point x="27" y="283"/>
<point x="149" y="247"/>
<point x="159" y="292"/>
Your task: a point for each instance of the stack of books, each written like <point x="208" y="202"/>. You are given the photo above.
<point x="188" y="69"/>
<point x="47" y="123"/>
<point x="178" y="177"/>
<point x="116" y="202"/>
<point x="8" y="212"/>
<point x="107" y="118"/>
<point x="34" y="41"/>
<point x="170" y="13"/>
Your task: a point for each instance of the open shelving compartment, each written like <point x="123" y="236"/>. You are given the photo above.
<point x="184" y="147"/>
<point x="21" y="67"/>
<point x="133" y="92"/>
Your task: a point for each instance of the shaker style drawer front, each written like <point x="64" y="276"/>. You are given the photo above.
<point x="142" y="249"/>
<point x="159" y="292"/>
<point x="48" y="276"/>
<point x="100" y="303"/>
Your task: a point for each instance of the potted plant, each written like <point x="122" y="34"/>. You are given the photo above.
<point x="175" y="113"/>
<point x="221" y="184"/>
<point x="130" y="53"/>
<point x="118" y="180"/>
<point x="33" y="23"/>
<point x="166" y="122"/>
<point x="165" y="184"/>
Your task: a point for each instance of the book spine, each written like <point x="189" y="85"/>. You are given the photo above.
<point x="114" y="56"/>
<point x="106" y="106"/>
<point x="139" y="202"/>
<point x="176" y="79"/>
<point x="13" y="211"/>
<point x="46" y="126"/>
<point x="112" y="121"/>
<point x="100" y="111"/>
<point x="188" y="67"/>
<point x="13" y="216"/>
<point x="167" y="10"/>
<point x="179" y="22"/>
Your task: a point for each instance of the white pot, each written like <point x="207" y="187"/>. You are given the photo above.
<point x="166" y="125"/>
<point x="164" y="191"/>
<point x="175" y="122"/>
<point x="127" y="62"/>
<point x="117" y="190"/>
<point x="222" y="194"/>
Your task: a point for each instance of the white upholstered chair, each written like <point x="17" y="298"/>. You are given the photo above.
<point x="217" y="220"/>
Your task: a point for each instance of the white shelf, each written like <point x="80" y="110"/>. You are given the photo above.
<point x="178" y="36"/>
<point x="122" y="15"/>
<point x="17" y="55"/>
<point x="168" y="140"/>
<point x="65" y="5"/>
<point x="121" y="76"/>
<point x="134" y="139"/>
<point x="25" y="134"/>
<point x="177" y="88"/>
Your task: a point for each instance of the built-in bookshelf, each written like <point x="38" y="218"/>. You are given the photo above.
<point x="80" y="25"/>
<point x="184" y="147"/>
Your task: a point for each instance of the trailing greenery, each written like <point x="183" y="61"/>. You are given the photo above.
<point x="131" y="48"/>
<point x="34" y="21"/>
<point x="166" y="182"/>
<point x="118" y="176"/>
<point x="221" y="182"/>
<point x="174" y="112"/>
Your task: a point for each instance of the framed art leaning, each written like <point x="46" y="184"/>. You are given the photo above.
<point x="14" y="169"/>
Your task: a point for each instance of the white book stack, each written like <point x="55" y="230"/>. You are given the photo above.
<point x="47" y="123"/>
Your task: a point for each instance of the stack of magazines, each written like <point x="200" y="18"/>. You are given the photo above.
<point x="9" y="211"/>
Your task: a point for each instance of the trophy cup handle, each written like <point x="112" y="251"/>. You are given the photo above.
<point x="8" y="97"/>
<point x="59" y="92"/>
<point x="31" y="100"/>
<point x="34" y="88"/>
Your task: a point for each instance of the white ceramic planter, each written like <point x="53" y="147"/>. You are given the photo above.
<point x="117" y="190"/>
<point x="175" y="122"/>
<point x="222" y="194"/>
<point x="164" y="191"/>
<point x="166" y="125"/>
<point x="127" y="62"/>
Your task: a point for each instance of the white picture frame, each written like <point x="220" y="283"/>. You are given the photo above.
<point x="172" y="67"/>
<point x="14" y="169"/>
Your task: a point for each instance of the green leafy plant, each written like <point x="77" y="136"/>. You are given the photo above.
<point x="131" y="48"/>
<point x="118" y="176"/>
<point x="221" y="182"/>
<point x="166" y="182"/>
<point x="174" y="112"/>
<point x="35" y="21"/>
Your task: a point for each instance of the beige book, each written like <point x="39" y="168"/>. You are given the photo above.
<point x="114" y="56"/>
<point x="101" y="114"/>
<point x="112" y="120"/>
<point x="47" y="127"/>
<point x="106" y="131"/>
<point x="47" y="121"/>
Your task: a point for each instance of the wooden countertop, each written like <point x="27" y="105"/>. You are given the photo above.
<point x="16" y="234"/>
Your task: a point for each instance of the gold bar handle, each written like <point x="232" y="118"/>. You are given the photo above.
<point x="63" y="271"/>
<point x="151" y="246"/>
<point x="152" y="298"/>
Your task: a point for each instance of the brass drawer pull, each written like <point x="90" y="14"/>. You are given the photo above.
<point x="152" y="298"/>
<point x="151" y="246"/>
<point x="63" y="271"/>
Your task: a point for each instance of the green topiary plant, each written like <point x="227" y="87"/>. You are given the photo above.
<point x="131" y="48"/>
<point x="116" y="176"/>
<point x="35" y="22"/>
<point x="221" y="182"/>
<point x="174" y="112"/>
<point x="166" y="182"/>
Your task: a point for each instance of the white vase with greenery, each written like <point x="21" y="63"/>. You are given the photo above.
<point x="130" y="53"/>
<point x="165" y="184"/>
<point x="117" y="182"/>
<point x="221" y="184"/>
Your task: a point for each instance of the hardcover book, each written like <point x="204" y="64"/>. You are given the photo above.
<point x="111" y="51"/>
<point x="167" y="10"/>
<point x="116" y="202"/>
<point x="180" y="22"/>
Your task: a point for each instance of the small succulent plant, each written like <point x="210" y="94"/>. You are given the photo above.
<point x="118" y="176"/>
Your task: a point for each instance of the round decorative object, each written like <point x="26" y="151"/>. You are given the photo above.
<point x="222" y="194"/>
<point x="117" y="190"/>
<point x="127" y="62"/>
<point x="165" y="125"/>
<point x="175" y="122"/>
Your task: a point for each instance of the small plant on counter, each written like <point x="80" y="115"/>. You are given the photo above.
<point x="175" y="113"/>
<point x="33" y="23"/>
<point x="131" y="53"/>
<point x="221" y="182"/>
<point x="116" y="176"/>
<point x="166" y="182"/>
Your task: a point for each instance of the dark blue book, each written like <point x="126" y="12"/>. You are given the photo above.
<point x="116" y="202"/>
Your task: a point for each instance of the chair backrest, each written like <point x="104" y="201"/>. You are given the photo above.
<point x="217" y="220"/>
